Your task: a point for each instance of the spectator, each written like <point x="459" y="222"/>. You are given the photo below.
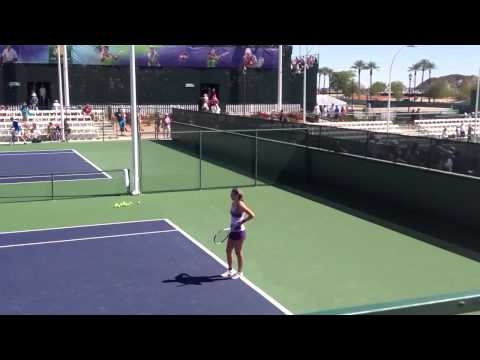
<point x="205" y="102"/>
<point x="457" y="131"/>
<point x="34" y="101"/>
<point x="36" y="134"/>
<point x="316" y="110"/>
<point x="16" y="131"/>
<point x="50" y="131"/>
<point x="57" y="133"/>
<point x="25" y="111"/>
<point x="167" y="122"/>
<point x="337" y="111"/>
<point x="67" y="130"/>
<point x="26" y="131"/>
<point x="462" y="131"/>
<point x="470" y="132"/>
<point x="9" y="55"/>
<point x="343" y="112"/>
<point x="122" y="119"/>
<point x="87" y="109"/>
<point x="152" y="57"/>
<point x="444" y="133"/>
<point x="56" y="105"/>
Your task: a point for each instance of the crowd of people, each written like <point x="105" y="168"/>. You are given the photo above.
<point x="459" y="132"/>
<point x="209" y="102"/>
<point x="26" y="131"/>
<point x="163" y="125"/>
<point x="334" y="111"/>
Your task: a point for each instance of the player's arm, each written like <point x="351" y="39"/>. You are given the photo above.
<point x="250" y="213"/>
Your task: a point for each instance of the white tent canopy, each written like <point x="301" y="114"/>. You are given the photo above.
<point x="329" y="100"/>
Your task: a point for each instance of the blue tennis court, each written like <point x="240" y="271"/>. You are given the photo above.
<point x="138" y="267"/>
<point x="37" y="166"/>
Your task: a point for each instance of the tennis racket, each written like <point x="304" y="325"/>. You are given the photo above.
<point x="221" y="235"/>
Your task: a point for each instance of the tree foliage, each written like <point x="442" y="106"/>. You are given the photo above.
<point x="378" y="87"/>
<point x="342" y="81"/>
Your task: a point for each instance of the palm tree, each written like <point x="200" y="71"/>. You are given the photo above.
<point x="430" y="66"/>
<point x="423" y="64"/>
<point x="415" y="67"/>
<point x="359" y="65"/>
<point x="371" y="66"/>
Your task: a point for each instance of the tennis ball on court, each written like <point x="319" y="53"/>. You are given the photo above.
<point x="116" y="205"/>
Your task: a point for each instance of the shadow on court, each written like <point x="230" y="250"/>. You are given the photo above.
<point x="429" y="229"/>
<point x="186" y="279"/>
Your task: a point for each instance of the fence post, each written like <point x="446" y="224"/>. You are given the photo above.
<point x="256" y="158"/>
<point x="200" y="160"/>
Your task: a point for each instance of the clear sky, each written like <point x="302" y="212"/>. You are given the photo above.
<point x="449" y="59"/>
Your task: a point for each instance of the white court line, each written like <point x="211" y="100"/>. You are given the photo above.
<point x="85" y="238"/>
<point x="246" y="281"/>
<point x="91" y="163"/>
<point x="33" y="151"/>
<point x="82" y="226"/>
<point x="70" y="151"/>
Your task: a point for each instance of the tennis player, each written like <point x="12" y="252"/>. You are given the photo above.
<point x="240" y="214"/>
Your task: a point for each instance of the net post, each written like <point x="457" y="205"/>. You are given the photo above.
<point x="51" y="182"/>
<point x="200" y="160"/>
<point x="256" y="157"/>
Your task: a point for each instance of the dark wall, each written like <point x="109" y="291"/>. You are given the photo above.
<point x="111" y="84"/>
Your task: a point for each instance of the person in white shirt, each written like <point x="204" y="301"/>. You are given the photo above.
<point x="316" y="110"/>
<point x="56" y="105"/>
<point x="9" y="55"/>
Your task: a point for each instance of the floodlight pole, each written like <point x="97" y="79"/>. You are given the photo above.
<point x="279" y="80"/>
<point x="476" y="106"/>
<point x="65" y="74"/>
<point x="60" y="93"/>
<point x="305" y="87"/>
<point x="134" y="120"/>
<point x="390" y="84"/>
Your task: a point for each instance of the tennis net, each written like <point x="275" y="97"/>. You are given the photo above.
<point x="35" y="187"/>
<point x="447" y="304"/>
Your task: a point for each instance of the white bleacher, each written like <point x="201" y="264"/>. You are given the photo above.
<point x="82" y="126"/>
<point x="435" y="127"/>
<point x="376" y="126"/>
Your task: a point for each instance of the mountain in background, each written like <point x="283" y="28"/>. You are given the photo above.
<point x="455" y="81"/>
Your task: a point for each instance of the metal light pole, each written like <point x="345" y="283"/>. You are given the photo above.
<point x="280" y="76"/>
<point x="133" y="112"/>
<point x="65" y="74"/>
<point x="305" y="89"/>
<point x="409" y="89"/>
<point x="476" y="105"/>
<point x="60" y="93"/>
<point x="390" y="84"/>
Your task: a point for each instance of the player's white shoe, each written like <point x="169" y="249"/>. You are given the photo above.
<point x="228" y="274"/>
<point x="238" y="275"/>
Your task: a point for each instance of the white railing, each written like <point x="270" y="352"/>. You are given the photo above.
<point x="256" y="108"/>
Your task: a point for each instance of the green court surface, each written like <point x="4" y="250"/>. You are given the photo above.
<point x="310" y="254"/>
